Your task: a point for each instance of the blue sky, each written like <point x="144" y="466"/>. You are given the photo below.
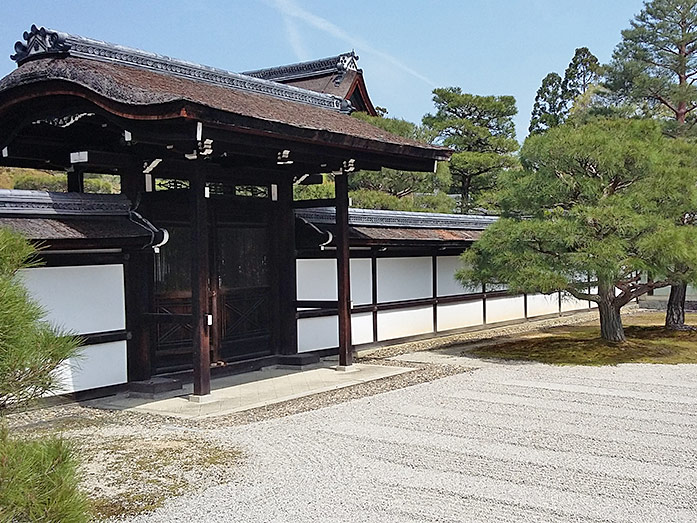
<point x="406" y="47"/>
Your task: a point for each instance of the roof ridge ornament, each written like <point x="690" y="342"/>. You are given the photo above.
<point x="39" y="42"/>
<point x="44" y="42"/>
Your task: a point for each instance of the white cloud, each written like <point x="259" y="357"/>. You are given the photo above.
<point x="295" y="39"/>
<point x="289" y="9"/>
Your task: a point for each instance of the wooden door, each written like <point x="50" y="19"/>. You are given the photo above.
<point x="244" y="300"/>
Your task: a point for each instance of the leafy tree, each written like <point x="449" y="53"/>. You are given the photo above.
<point x="481" y="131"/>
<point x="556" y="96"/>
<point x="396" y="182"/>
<point x="373" y="199"/>
<point x="587" y="205"/>
<point x="656" y="63"/>
<point x="549" y="109"/>
<point x="30" y="349"/>
<point x="582" y="73"/>
<point x="368" y="199"/>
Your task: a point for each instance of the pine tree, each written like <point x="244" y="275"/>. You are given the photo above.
<point x="481" y="131"/>
<point x="656" y="62"/>
<point x="598" y="200"/>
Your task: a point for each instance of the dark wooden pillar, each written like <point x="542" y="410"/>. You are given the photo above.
<point x="199" y="281"/>
<point x="286" y="257"/>
<point x="76" y="180"/>
<point x="139" y="283"/>
<point x="343" y="270"/>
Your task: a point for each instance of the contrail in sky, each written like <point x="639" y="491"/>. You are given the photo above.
<point x="290" y="10"/>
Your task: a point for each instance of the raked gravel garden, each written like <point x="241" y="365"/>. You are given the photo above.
<point x="465" y="436"/>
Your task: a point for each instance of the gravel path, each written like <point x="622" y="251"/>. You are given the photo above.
<point x="508" y="442"/>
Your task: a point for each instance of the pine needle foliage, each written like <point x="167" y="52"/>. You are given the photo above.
<point x="595" y="205"/>
<point x="30" y="349"/>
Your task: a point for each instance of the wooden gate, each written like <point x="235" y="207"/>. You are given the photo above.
<point x="243" y="301"/>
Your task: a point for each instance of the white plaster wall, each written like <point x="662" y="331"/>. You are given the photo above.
<point x="406" y="322"/>
<point x="447" y="284"/>
<point x="83" y="299"/>
<point x="569" y="303"/>
<point x="665" y="291"/>
<point x="505" y="309"/>
<point x="96" y="366"/>
<point x="361" y="281"/>
<point x="593" y="290"/>
<point x="316" y="279"/>
<point x="362" y="328"/>
<point x="318" y="333"/>
<point x="541" y="304"/>
<point x="404" y="279"/>
<point x="459" y="315"/>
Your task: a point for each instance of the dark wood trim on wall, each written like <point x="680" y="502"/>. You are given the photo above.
<point x="97" y="338"/>
<point x="50" y="259"/>
<point x="374" y="291"/>
<point x="434" y="270"/>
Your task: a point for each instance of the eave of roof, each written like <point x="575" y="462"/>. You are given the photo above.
<point x="75" y="220"/>
<point x="136" y="90"/>
<point x="35" y="203"/>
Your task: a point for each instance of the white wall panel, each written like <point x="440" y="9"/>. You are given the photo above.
<point x="569" y="303"/>
<point x="96" y="366"/>
<point x="447" y="284"/>
<point x="316" y="279"/>
<point x="362" y="328"/>
<point x="318" y="333"/>
<point x="505" y="309"/>
<point x="663" y="291"/>
<point x="593" y="290"/>
<point x="541" y="304"/>
<point x="459" y="315"/>
<point x="407" y="322"/>
<point x="404" y="279"/>
<point x="83" y="299"/>
<point x="361" y="281"/>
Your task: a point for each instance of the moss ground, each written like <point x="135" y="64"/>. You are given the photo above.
<point x="647" y="342"/>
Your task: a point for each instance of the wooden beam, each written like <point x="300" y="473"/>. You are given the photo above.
<point x="343" y="270"/>
<point x="309" y="204"/>
<point x="199" y="280"/>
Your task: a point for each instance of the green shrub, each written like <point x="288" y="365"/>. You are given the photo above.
<point x="42" y="182"/>
<point x="38" y="481"/>
<point x="30" y="349"/>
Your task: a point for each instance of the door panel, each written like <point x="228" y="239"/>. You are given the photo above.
<point x="244" y="293"/>
<point x="173" y="341"/>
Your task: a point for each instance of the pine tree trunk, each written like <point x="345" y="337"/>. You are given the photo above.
<point x="675" y="315"/>
<point x="611" y="328"/>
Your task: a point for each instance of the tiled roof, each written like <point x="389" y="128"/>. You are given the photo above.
<point x="333" y="64"/>
<point x="74" y="217"/>
<point x="400" y="219"/>
<point x="42" y="42"/>
<point x="373" y="227"/>
<point x="142" y="87"/>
